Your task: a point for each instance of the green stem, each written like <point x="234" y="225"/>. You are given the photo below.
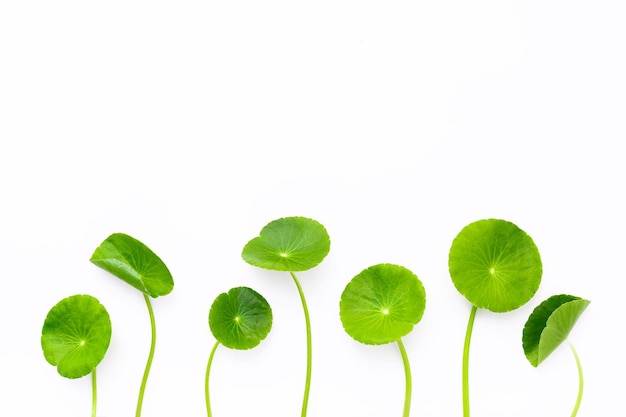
<point x="307" y="385"/>
<point x="146" y="372"/>
<point x="466" y="348"/>
<point x="408" y="384"/>
<point x="94" y="393"/>
<point x="206" y="379"/>
<point x="580" y="380"/>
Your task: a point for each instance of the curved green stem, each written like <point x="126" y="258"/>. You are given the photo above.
<point x="580" y="380"/>
<point x="94" y="393"/>
<point x="146" y="372"/>
<point x="307" y="385"/>
<point x="206" y="379"/>
<point x="466" y="348"/>
<point x="408" y="384"/>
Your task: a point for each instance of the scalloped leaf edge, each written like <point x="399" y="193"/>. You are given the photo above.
<point x="284" y="262"/>
<point x="237" y="292"/>
<point x="60" y="361"/>
<point x="408" y="325"/>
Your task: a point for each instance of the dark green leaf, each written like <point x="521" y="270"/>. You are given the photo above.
<point x="135" y="263"/>
<point x="549" y="325"/>
<point x="240" y="318"/>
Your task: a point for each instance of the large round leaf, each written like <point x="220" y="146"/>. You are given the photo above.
<point x="382" y="304"/>
<point x="288" y="244"/>
<point x="135" y="263"/>
<point x="549" y="325"/>
<point x="495" y="265"/>
<point x="240" y="318"/>
<point x="76" y="335"/>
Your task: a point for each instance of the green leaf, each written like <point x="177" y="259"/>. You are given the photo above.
<point x="240" y="318"/>
<point x="135" y="263"/>
<point x="549" y="325"/>
<point x="382" y="304"/>
<point x="288" y="244"/>
<point x="495" y="265"/>
<point x="76" y="335"/>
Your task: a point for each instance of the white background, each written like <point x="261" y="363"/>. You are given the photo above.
<point x="191" y="124"/>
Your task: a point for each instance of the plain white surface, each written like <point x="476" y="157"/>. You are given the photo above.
<point x="190" y="125"/>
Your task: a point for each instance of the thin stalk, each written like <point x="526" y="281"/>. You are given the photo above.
<point x="408" y="384"/>
<point x="206" y="379"/>
<point x="307" y="319"/>
<point x="580" y="380"/>
<point x="466" y="348"/>
<point x="94" y="393"/>
<point x="146" y="372"/>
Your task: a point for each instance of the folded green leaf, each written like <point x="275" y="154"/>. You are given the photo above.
<point x="76" y="335"/>
<point x="135" y="263"/>
<point x="382" y="304"/>
<point x="240" y="318"/>
<point x="549" y="325"/>
<point x="288" y="244"/>
<point x="495" y="265"/>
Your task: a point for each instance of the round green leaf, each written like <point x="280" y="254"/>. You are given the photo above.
<point x="76" y="335"/>
<point x="495" y="265"/>
<point x="288" y="244"/>
<point x="549" y="325"/>
<point x="382" y="304"/>
<point x="240" y="318"/>
<point x="135" y="263"/>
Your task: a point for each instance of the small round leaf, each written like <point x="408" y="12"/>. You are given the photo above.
<point x="495" y="265"/>
<point x="240" y="318"/>
<point x="288" y="244"/>
<point x="76" y="335"/>
<point x="135" y="263"/>
<point x="382" y="304"/>
<point x="549" y="325"/>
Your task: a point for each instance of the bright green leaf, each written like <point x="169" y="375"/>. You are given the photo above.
<point x="382" y="304"/>
<point x="240" y="318"/>
<point x="76" y="335"/>
<point x="549" y="325"/>
<point x="135" y="263"/>
<point x="495" y="265"/>
<point x="288" y="244"/>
